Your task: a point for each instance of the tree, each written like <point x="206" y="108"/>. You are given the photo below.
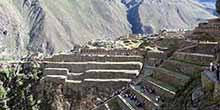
<point x="218" y="6"/>
<point x="2" y="93"/>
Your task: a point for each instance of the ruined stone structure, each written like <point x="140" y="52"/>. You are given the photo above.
<point x="210" y="28"/>
<point x="145" y="80"/>
<point x="167" y="80"/>
<point x="95" y="72"/>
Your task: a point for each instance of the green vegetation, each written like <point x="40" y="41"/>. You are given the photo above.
<point x="2" y="93"/>
<point x="22" y="88"/>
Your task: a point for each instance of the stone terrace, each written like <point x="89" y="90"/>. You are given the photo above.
<point x="166" y="80"/>
<point x="106" y="73"/>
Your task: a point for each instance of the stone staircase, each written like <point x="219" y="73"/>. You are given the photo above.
<point x="166" y="81"/>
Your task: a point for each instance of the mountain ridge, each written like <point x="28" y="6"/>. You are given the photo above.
<point x="52" y="26"/>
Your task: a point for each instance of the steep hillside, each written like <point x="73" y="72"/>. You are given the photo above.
<point x="171" y="14"/>
<point x="51" y="26"/>
<point x="56" y="25"/>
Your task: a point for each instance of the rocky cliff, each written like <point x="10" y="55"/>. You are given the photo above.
<point x="55" y="25"/>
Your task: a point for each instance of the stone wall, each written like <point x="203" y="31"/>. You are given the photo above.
<point x="160" y="55"/>
<point x="207" y="30"/>
<point x="97" y="88"/>
<point x="112" y="51"/>
<point x="59" y="80"/>
<point x="170" y="77"/>
<point x="93" y="73"/>
<point x="202" y="48"/>
<point x="195" y="58"/>
<point x="153" y="58"/>
<point x="98" y="58"/>
<point x="181" y="67"/>
<point x="212" y="28"/>
<point x="102" y="75"/>
<point x="63" y="74"/>
<point x="56" y="71"/>
<point x="75" y="67"/>
<point x="153" y="61"/>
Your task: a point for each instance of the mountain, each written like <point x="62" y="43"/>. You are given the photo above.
<point x="56" y="25"/>
<point x="208" y="4"/>
<point x="171" y="14"/>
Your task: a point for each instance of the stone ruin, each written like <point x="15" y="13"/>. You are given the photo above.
<point x="209" y="30"/>
<point x="97" y="73"/>
<point x="167" y="80"/>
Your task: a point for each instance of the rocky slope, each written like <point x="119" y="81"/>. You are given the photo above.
<point x="49" y="26"/>
<point x="171" y="14"/>
<point x="56" y="25"/>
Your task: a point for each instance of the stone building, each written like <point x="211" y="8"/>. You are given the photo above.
<point x="209" y="30"/>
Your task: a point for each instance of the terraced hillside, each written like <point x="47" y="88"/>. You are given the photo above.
<point x="167" y="86"/>
<point x="92" y="77"/>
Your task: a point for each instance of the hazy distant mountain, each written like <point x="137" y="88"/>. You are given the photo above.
<point x="209" y="4"/>
<point x="171" y="14"/>
<point x="56" y="25"/>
